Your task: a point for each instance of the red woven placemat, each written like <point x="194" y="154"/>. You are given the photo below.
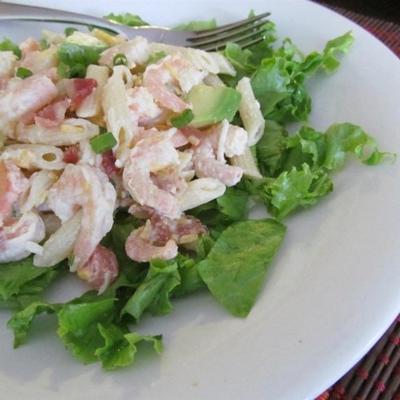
<point x="377" y="375"/>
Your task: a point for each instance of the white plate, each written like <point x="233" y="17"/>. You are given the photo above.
<point x="333" y="289"/>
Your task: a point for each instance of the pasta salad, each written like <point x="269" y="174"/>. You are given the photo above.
<point x="133" y="165"/>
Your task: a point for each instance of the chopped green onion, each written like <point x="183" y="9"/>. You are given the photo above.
<point x="101" y="143"/>
<point x="69" y="31"/>
<point x="8" y="45"/>
<point x="23" y="73"/>
<point x="44" y="44"/>
<point x="120" y="59"/>
<point x="183" y="119"/>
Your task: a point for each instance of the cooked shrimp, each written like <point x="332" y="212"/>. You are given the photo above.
<point x="160" y="237"/>
<point x="139" y="248"/>
<point x="87" y="188"/>
<point x="100" y="270"/>
<point x="18" y="239"/>
<point x="156" y="79"/>
<point x="24" y="97"/>
<point x="13" y="185"/>
<point x="207" y="165"/>
<point x="150" y="155"/>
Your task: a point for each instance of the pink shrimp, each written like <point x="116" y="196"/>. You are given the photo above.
<point x="100" y="270"/>
<point x="52" y="115"/>
<point x="139" y="248"/>
<point x="206" y="164"/>
<point x="17" y="238"/>
<point x="155" y="79"/>
<point x="23" y="98"/>
<point x="160" y="237"/>
<point x="150" y="155"/>
<point x="87" y="188"/>
<point x="13" y="184"/>
<point x="170" y="180"/>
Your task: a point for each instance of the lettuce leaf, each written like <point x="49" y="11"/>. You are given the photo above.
<point x="120" y="346"/>
<point x="197" y="25"/>
<point x="21" y="282"/>
<point x="271" y="147"/>
<point x="279" y="81"/>
<point x="297" y="188"/>
<point x="78" y="327"/>
<point x="21" y="321"/>
<point x="235" y="268"/>
<point x="126" y="19"/>
<point x="88" y="329"/>
<point x="219" y="213"/>
<point x="153" y="294"/>
<point x="343" y="139"/>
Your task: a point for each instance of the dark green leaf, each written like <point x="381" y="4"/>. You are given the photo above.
<point x="21" y="321"/>
<point x="78" y="327"/>
<point x="236" y="266"/>
<point x="15" y="277"/>
<point x="197" y="25"/>
<point x="120" y="346"/>
<point x="154" y="293"/>
<point x="126" y="19"/>
<point x="295" y="188"/>
<point x="271" y="148"/>
<point x="348" y="138"/>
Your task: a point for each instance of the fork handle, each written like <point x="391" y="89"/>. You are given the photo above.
<point x="11" y="11"/>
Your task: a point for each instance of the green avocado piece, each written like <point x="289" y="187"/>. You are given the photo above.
<point x="213" y="104"/>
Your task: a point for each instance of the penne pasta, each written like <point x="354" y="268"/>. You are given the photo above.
<point x="214" y="63"/>
<point x="201" y="191"/>
<point x="136" y="51"/>
<point x="32" y="157"/>
<point x="40" y="183"/>
<point x="7" y="63"/>
<point x="91" y="105"/>
<point x="60" y="244"/>
<point x="247" y="163"/>
<point x="250" y="112"/>
<point x="116" y="110"/>
<point x="71" y="131"/>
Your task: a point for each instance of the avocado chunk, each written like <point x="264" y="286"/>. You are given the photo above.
<point x="213" y="104"/>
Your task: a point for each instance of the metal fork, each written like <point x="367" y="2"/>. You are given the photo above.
<point x="246" y="32"/>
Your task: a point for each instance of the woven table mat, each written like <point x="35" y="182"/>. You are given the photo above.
<point x="377" y="375"/>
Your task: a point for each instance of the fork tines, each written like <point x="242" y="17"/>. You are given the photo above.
<point x="246" y="32"/>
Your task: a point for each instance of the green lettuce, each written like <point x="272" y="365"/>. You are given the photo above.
<point x="126" y="19"/>
<point x="197" y="25"/>
<point x="297" y="188"/>
<point x="89" y="327"/>
<point x="153" y="294"/>
<point x="236" y="266"/>
<point x="21" y="321"/>
<point x="22" y="283"/>
<point x="279" y="81"/>
<point x="120" y="346"/>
